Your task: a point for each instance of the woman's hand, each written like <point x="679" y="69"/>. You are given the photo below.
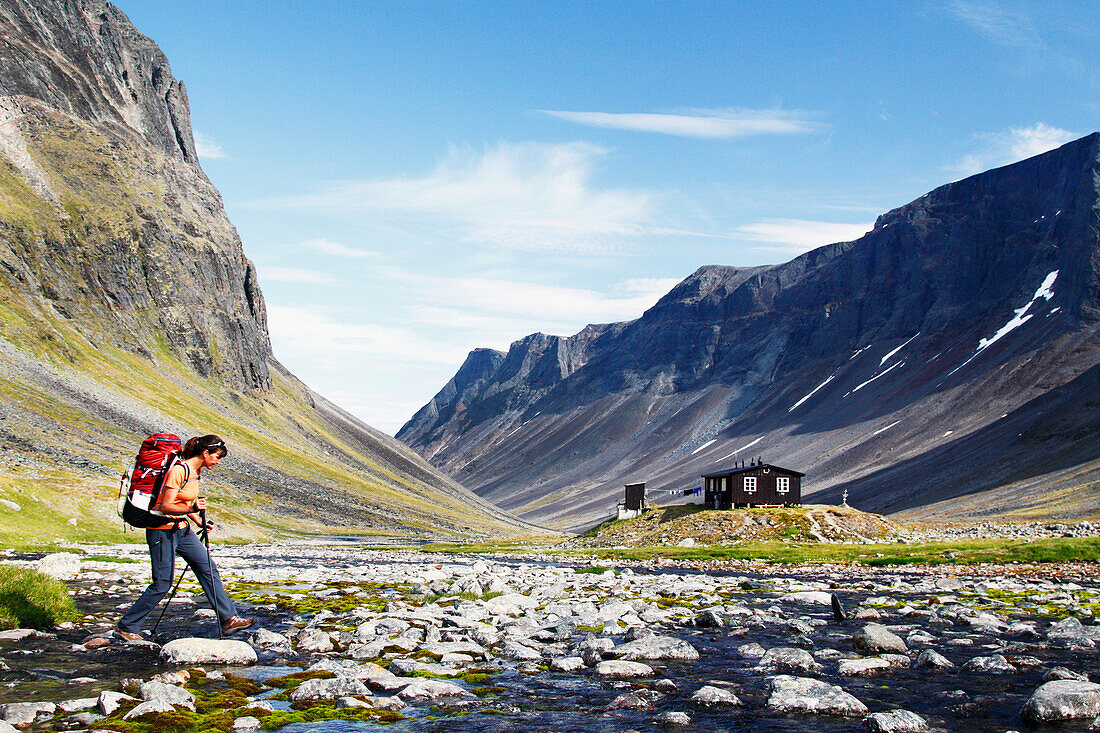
<point x="199" y="505"/>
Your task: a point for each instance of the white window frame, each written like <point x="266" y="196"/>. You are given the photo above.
<point x="750" y="484"/>
<point x="782" y="484"/>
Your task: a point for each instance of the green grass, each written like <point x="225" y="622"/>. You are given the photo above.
<point x="963" y="552"/>
<point x="29" y="599"/>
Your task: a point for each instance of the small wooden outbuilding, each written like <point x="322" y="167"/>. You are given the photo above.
<point x="758" y="484"/>
<point x="634" y="503"/>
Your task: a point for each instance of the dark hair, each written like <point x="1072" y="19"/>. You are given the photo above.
<point x="197" y="445"/>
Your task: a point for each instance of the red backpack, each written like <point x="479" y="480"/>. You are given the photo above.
<point x="139" y="490"/>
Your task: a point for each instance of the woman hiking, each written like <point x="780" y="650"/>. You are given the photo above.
<point x="180" y="502"/>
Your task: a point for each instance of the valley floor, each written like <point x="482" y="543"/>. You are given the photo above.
<point x="538" y="642"/>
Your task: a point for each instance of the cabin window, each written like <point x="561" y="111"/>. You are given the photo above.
<point x="782" y="484"/>
<point x="750" y="484"/>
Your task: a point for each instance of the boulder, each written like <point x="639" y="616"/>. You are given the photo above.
<point x="109" y="701"/>
<point x="864" y="667"/>
<point x="60" y="565"/>
<point x="566" y="664"/>
<point x="993" y="664"/>
<point x="150" y="707"/>
<point x="207" y="651"/>
<point x="171" y="694"/>
<point x="270" y="641"/>
<point x="709" y="619"/>
<point x="896" y="721"/>
<point x="519" y="652"/>
<point x="560" y="631"/>
<point x="630" y="701"/>
<point x="1063" y="700"/>
<point x="510" y="604"/>
<point x="22" y="714"/>
<point x="314" y="641"/>
<point x="672" y="719"/>
<point x="874" y="639"/>
<point x="328" y="689"/>
<point x="657" y="647"/>
<point x="809" y="696"/>
<point x="440" y="648"/>
<point x="930" y="659"/>
<point x="429" y="689"/>
<point x="811" y="597"/>
<point x="245" y="724"/>
<point x="711" y="696"/>
<point x="620" y="669"/>
<point x="787" y="659"/>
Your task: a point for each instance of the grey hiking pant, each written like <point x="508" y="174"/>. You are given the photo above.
<point x="164" y="545"/>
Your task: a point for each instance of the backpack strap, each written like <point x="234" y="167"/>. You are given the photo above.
<point x="186" y="477"/>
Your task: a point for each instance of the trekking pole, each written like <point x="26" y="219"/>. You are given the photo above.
<point x="170" y="597"/>
<point x="209" y="561"/>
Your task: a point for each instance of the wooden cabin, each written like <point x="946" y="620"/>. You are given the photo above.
<point x="758" y="484"/>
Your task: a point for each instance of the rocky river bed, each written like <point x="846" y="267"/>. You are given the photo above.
<point x="350" y="639"/>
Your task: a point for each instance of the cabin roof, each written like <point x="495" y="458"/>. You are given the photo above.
<point x="746" y="469"/>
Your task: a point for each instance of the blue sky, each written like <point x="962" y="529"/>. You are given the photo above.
<point x="417" y="179"/>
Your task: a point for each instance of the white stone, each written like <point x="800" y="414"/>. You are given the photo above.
<point x="60" y="565"/>
<point x="861" y="667"/>
<point x="246" y="724"/>
<point x="656" y="647"/>
<point x="77" y="704"/>
<point x="194" y="650"/>
<point x="171" y="694"/>
<point x="709" y="695"/>
<point x="270" y="641"/>
<point x="24" y="713"/>
<point x="618" y="669"/>
<point x="805" y="695"/>
<point x="109" y="701"/>
<point x="816" y="597"/>
<point x="566" y="664"/>
<point x="1063" y="700"/>
<point x="328" y="689"/>
<point x="896" y="721"/>
<point x="314" y="641"/>
<point x="428" y="689"/>
<point x="673" y="719"/>
<point x="148" y="708"/>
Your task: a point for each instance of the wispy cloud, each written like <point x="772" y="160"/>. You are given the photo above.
<point x="518" y="196"/>
<point x="1001" y="148"/>
<point x="207" y="149"/>
<point x="708" y="124"/>
<point x="998" y="22"/>
<point x="296" y="275"/>
<point x="801" y="235"/>
<point x="338" y="250"/>
<point x="317" y="330"/>
<point x="503" y="309"/>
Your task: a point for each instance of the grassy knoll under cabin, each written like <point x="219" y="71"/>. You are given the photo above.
<point x="809" y="534"/>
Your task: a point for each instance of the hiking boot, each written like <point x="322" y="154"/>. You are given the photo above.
<point x="235" y="623"/>
<point x="128" y="635"/>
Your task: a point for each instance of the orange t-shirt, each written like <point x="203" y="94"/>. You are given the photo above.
<point x="179" y="479"/>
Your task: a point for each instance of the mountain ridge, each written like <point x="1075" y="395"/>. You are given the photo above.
<point x="770" y="358"/>
<point x="128" y="307"/>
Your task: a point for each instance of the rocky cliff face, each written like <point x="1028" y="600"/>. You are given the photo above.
<point x="881" y="366"/>
<point x="127" y="305"/>
<point x="107" y="216"/>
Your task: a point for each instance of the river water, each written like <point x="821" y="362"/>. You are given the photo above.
<point x="953" y="700"/>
